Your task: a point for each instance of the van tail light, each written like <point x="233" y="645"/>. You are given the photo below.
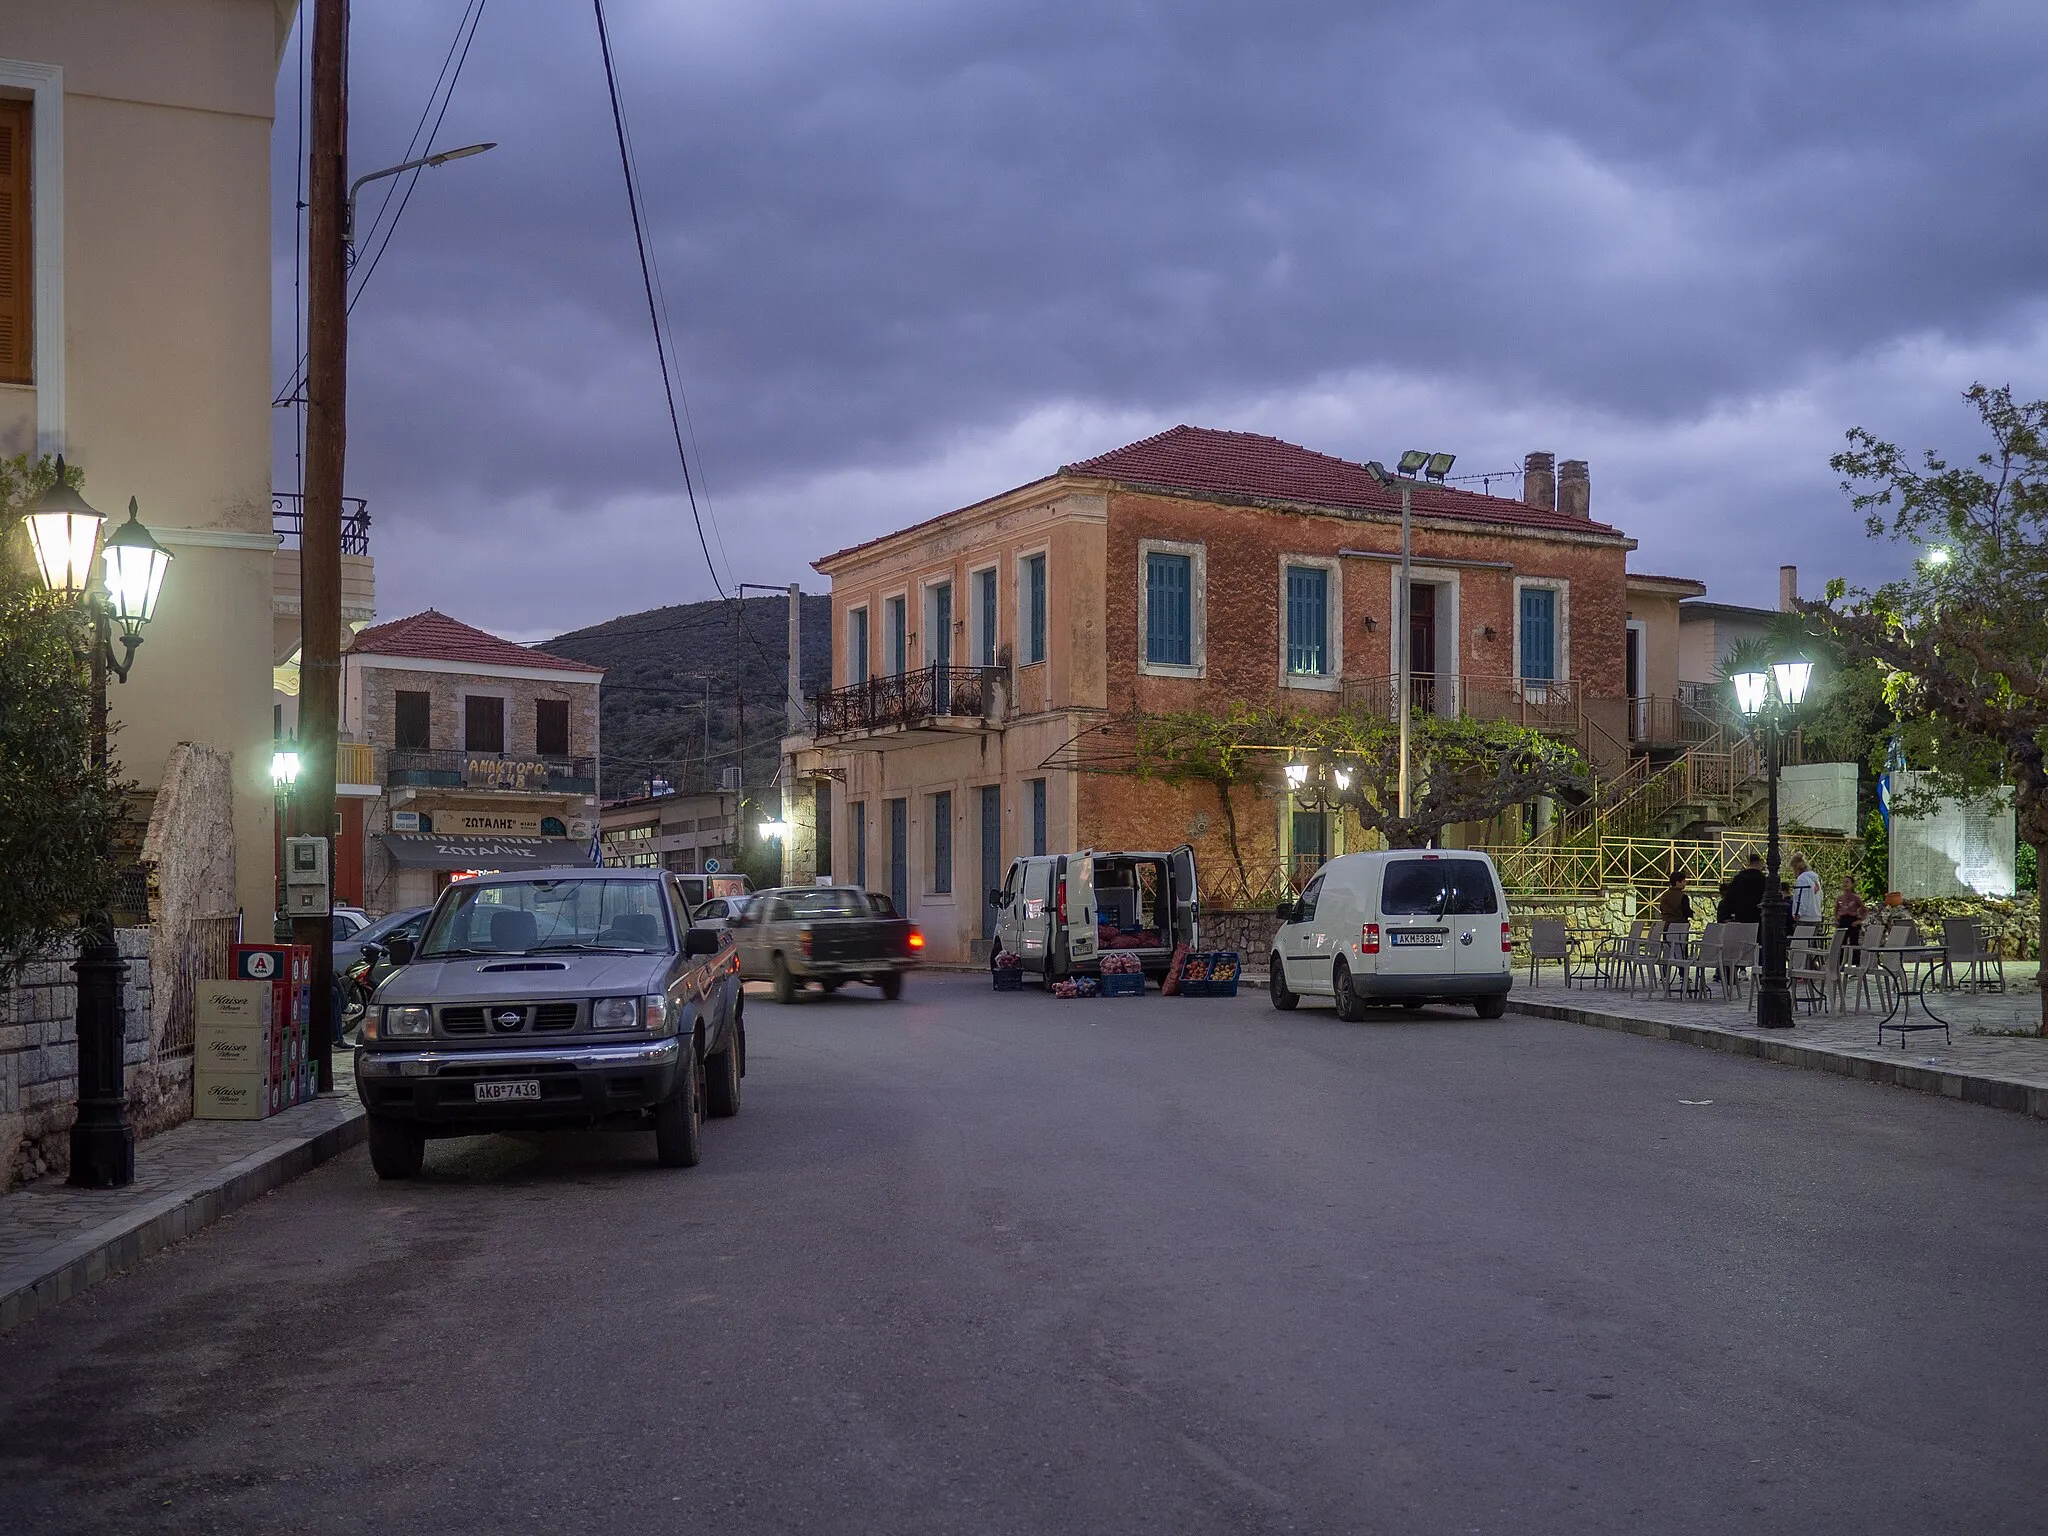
<point x="804" y="943"/>
<point x="1059" y="905"/>
<point x="1369" y="939"/>
<point x="1507" y="944"/>
<point x="917" y="938"/>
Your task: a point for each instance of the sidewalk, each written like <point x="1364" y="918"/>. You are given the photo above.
<point x="56" y="1241"/>
<point x="2005" y="1071"/>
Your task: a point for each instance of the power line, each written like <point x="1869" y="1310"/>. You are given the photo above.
<point x="647" y="282"/>
<point x="444" y="92"/>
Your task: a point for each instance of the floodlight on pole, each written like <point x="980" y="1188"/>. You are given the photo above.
<point x="425" y="162"/>
<point x="1411" y="462"/>
<point x="1439" y="466"/>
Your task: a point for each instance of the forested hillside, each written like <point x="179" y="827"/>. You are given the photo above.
<point x="665" y="664"/>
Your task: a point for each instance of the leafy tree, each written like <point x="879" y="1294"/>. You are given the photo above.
<point x="1461" y="770"/>
<point x="58" y="814"/>
<point x="1962" y="641"/>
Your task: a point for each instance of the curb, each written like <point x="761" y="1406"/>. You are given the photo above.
<point x="125" y="1241"/>
<point x="1970" y="1087"/>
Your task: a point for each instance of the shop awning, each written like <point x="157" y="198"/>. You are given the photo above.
<point x="425" y="850"/>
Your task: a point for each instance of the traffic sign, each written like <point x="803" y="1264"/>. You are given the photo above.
<point x="711" y="866"/>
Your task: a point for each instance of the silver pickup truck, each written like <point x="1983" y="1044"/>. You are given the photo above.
<point x="558" y="998"/>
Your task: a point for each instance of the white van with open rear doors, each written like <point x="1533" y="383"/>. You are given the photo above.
<point x="1400" y="928"/>
<point x="1058" y="913"/>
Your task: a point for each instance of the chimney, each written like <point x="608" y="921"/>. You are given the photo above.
<point x="1574" y="489"/>
<point x="1539" y="481"/>
<point x="1788" y="589"/>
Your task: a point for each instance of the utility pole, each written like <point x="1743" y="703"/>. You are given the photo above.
<point x="320" y="533"/>
<point x="792" y="724"/>
<point x="1406" y="683"/>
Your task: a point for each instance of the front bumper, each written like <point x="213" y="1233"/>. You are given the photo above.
<point x="580" y="1084"/>
<point x="1495" y="984"/>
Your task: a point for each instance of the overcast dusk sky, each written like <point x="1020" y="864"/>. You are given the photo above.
<point x="916" y="252"/>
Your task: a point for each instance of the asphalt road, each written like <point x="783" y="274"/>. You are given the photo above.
<point x="977" y="1263"/>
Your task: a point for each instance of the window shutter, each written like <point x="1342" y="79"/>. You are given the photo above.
<point x="1307" y="619"/>
<point x="1169" y="617"/>
<point x="17" y="249"/>
<point x="1539" y="634"/>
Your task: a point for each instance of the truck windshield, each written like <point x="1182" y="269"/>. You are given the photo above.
<point x="1438" y="888"/>
<point x="532" y="915"/>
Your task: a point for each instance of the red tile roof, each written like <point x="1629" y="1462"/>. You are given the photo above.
<point x="1249" y="466"/>
<point x="1246" y="464"/>
<point x="433" y="636"/>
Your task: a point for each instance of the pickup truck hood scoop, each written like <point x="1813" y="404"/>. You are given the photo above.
<point x="524" y="965"/>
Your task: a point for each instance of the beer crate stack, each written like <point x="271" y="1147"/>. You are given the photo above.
<point x="250" y="1035"/>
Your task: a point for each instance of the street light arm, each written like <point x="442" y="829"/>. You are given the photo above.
<point x="348" y="221"/>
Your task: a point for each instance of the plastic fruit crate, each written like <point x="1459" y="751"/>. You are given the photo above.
<point x="1123" y="986"/>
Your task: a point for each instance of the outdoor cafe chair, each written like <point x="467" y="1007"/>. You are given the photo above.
<point x="1701" y="961"/>
<point x="1620" y="954"/>
<point x="1548" y="940"/>
<point x="1674" y="951"/>
<point x="1815" y="970"/>
<point x="1739" y="956"/>
<point x="1860" y="973"/>
<point x="1964" y="942"/>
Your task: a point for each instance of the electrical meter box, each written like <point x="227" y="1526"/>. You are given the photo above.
<point x="305" y="877"/>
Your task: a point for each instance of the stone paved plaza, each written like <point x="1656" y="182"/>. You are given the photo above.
<point x="2006" y="1057"/>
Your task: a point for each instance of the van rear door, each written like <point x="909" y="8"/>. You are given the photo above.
<point x="1077" y="882"/>
<point x="1475" y="914"/>
<point x="1414" y="932"/>
<point x="1187" y="903"/>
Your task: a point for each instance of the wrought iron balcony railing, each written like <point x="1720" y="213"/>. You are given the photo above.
<point x="1552" y="705"/>
<point x="907" y="699"/>
<point x="288" y="517"/>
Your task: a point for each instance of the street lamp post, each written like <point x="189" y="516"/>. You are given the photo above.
<point x="1768" y="697"/>
<point x="1435" y="466"/>
<point x="65" y="532"/>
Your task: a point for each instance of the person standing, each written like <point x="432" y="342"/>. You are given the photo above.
<point x="1850" y="913"/>
<point x="1805" y="893"/>
<point x="1746" y="891"/>
<point x="1675" y="905"/>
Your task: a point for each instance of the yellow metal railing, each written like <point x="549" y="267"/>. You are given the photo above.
<point x="355" y="762"/>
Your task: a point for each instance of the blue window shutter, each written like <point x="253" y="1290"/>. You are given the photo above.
<point x="1539" y="634"/>
<point x="1169" y="610"/>
<point x="1308" y="620"/>
<point x="1034" y="581"/>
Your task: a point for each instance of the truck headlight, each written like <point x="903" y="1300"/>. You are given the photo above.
<point x="408" y="1021"/>
<point x="615" y="1013"/>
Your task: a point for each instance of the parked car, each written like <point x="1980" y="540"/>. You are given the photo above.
<point x="829" y="934"/>
<point x="1410" y="927"/>
<point x="363" y="961"/>
<point x="556" y="998"/>
<point x="1059" y="912"/>
<point x="719" y="911"/>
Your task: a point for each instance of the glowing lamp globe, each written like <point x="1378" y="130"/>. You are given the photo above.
<point x="65" y="532"/>
<point x="135" y="573"/>
<point x="1792" y="678"/>
<point x="1750" y="688"/>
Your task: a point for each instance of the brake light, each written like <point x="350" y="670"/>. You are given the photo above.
<point x="1369" y="939"/>
<point x="804" y="942"/>
<point x="1060" y="900"/>
<point x="917" y="938"/>
<point x="1507" y="944"/>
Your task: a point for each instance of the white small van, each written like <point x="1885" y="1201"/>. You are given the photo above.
<point x="1059" y="913"/>
<point x="1408" y="927"/>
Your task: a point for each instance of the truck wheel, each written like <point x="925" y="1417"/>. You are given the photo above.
<point x="678" y="1123"/>
<point x="785" y="984"/>
<point x="1490" y="1007"/>
<point x="1350" y="1006"/>
<point x="1276" y="986"/>
<point x="396" y="1149"/>
<point x="891" y="985"/>
<point x="722" y="1082"/>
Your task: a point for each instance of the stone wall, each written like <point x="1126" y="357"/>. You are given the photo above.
<point x="1249" y="931"/>
<point x="39" y="1057"/>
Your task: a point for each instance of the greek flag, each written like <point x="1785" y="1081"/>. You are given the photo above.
<point x="596" y="851"/>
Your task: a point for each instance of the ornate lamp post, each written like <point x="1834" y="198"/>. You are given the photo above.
<point x="66" y="534"/>
<point x="1769" y="697"/>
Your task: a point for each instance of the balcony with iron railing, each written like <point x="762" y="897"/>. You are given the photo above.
<point x="910" y="706"/>
<point x="540" y="775"/>
<point x="1552" y="705"/>
<point x="288" y="520"/>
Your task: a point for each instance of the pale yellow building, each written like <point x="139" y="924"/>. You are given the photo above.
<point x="136" y="137"/>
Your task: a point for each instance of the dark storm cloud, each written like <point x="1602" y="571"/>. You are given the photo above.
<point x="914" y="253"/>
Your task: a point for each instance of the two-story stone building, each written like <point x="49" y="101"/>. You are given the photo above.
<point x="481" y="755"/>
<point x="1190" y="571"/>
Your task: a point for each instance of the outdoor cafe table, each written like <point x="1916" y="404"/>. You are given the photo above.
<point x="1916" y="967"/>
